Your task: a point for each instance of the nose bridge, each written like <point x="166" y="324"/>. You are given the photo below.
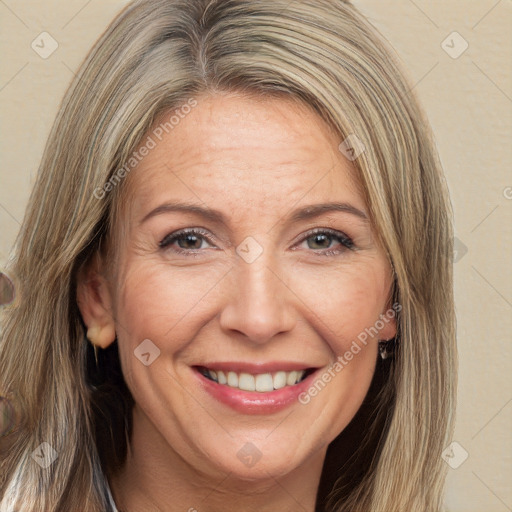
<point x="259" y="284"/>
<point x="259" y="307"/>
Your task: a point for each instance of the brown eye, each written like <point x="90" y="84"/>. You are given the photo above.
<point x="187" y="241"/>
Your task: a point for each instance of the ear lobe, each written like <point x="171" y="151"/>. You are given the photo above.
<point x="94" y="301"/>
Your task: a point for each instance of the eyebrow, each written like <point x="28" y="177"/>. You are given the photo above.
<point x="312" y="211"/>
<point x="305" y="213"/>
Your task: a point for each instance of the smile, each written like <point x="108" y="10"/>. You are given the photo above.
<point x="261" y="382"/>
<point x="255" y="387"/>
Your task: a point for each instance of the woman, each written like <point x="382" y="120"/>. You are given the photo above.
<point x="299" y="353"/>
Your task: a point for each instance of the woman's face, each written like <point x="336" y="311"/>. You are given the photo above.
<point x="230" y="270"/>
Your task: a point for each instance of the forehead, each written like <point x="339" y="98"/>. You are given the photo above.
<point x="242" y="150"/>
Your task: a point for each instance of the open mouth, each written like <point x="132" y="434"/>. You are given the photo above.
<point x="262" y="382"/>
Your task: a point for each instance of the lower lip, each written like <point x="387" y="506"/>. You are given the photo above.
<point x="255" y="402"/>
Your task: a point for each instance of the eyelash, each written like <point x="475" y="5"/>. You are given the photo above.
<point x="344" y="240"/>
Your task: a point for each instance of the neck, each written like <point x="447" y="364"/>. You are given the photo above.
<point x="155" y="478"/>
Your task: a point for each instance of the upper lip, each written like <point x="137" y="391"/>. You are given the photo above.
<point x="256" y="368"/>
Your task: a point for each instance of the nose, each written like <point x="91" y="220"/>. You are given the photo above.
<point x="260" y="304"/>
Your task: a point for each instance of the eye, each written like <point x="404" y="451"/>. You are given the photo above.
<point x="323" y="238"/>
<point x="188" y="241"/>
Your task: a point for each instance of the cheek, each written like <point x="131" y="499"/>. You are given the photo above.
<point x="162" y="304"/>
<point x="344" y="307"/>
<point x="345" y="304"/>
<point x="167" y="305"/>
<point x="155" y="300"/>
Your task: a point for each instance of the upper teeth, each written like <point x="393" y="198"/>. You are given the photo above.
<point x="263" y="382"/>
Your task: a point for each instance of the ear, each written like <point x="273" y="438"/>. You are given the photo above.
<point x="94" y="300"/>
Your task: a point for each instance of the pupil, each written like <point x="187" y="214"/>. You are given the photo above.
<point x="190" y="239"/>
<point x="318" y="239"/>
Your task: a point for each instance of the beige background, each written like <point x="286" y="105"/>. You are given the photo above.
<point x="469" y="102"/>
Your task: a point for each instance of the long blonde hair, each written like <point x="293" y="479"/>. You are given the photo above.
<point x="155" y="57"/>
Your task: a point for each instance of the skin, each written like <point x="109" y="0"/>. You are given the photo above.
<point x="256" y="161"/>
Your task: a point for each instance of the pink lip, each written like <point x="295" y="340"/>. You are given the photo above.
<point x="255" y="402"/>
